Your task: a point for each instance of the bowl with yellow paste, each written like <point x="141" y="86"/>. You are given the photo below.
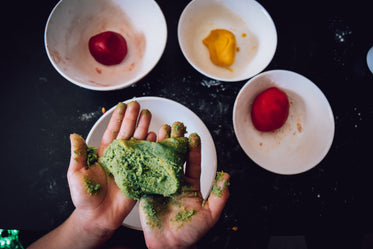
<point x="227" y="40"/>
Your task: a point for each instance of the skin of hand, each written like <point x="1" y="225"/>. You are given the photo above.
<point x="97" y="216"/>
<point x="109" y="207"/>
<point x="170" y="232"/>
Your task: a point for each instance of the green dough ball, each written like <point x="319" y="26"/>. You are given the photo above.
<point x="141" y="167"/>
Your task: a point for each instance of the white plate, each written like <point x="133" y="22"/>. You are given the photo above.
<point x="370" y="59"/>
<point x="305" y="138"/>
<point x="72" y="23"/>
<point x="165" y="111"/>
<point x="253" y="27"/>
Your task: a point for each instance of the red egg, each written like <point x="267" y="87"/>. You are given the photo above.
<point x="108" y="48"/>
<point x="270" y="109"/>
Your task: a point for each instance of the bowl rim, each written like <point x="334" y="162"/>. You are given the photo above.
<point x="105" y="88"/>
<point x="331" y="128"/>
<point x="236" y="78"/>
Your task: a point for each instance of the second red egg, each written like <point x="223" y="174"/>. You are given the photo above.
<point x="270" y="109"/>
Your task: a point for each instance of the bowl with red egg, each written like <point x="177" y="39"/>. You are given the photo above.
<point x="283" y="122"/>
<point x="105" y="45"/>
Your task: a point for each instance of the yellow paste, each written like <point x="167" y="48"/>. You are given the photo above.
<point x="222" y="47"/>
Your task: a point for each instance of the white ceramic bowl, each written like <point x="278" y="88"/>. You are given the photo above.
<point x="72" y="23"/>
<point x="251" y="24"/>
<point x="370" y="59"/>
<point x="305" y="138"/>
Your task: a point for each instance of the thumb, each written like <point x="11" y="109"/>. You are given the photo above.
<point x="78" y="157"/>
<point x="219" y="195"/>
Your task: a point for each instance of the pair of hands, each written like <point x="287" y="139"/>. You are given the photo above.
<point x="105" y="211"/>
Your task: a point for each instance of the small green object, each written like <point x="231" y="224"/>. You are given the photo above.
<point x="93" y="188"/>
<point x="155" y="206"/>
<point x="91" y="156"/>
<point x="184" y="215"/>
<point x="218" y="191"/>
<point x="9" y="239"/>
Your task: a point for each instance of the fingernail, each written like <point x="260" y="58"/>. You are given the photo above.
<point x="78" y="144"/>
<point x="133" y="102"/>
<point x="76" y="138"/>
<point x="121" y="107"/>
<point x="220" y="184"/>
<point x="167" y="130"/>
<point x="194" y="141"/>
<point x="145" y="112"/>
<point x="178" y="129"/>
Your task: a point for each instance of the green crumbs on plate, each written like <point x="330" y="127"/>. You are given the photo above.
<point x="142" y="167"/>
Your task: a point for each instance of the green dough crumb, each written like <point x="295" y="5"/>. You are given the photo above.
<point x="183" y="216"/>
<point x="93" y="188"/>
<point x="216" y="190"/>
<point x="91" y="156"/>
<point x="142" y="167"/>
<point x="155" y="206"/>
<point x="219" y="175"/>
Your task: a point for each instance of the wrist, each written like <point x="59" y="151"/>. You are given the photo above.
<point x="89" y="230"/>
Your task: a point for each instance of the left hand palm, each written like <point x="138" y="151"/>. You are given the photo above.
<point x="108" y="207"/>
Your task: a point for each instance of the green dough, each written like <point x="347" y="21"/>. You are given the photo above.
<point x="141" y="167"/>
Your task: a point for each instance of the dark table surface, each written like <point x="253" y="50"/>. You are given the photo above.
<point x="326" y="41"/>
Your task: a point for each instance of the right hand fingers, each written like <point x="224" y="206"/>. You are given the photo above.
<point x="164" y="132"/>
<point x="193" y="169"/>
<point x="178" y="129"/>
<point x="219" y="197"/>
<point x="193" y="165"/>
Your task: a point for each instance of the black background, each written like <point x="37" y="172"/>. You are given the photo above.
<point x="331" y="205"/>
